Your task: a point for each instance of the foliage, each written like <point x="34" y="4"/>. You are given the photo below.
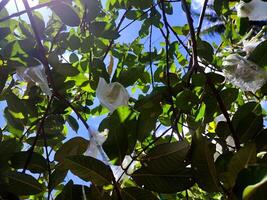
<point x="187" y="132"/>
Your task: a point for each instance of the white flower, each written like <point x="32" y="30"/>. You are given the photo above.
<point x="111" y="95"/>
<point x="35" y="75"/>
<point x="250" y="45"/>
<point x="118" y="171"/>
<point x="95" y="149"/>
<point x="255" y="10"/>
<point x="243" y="73"/>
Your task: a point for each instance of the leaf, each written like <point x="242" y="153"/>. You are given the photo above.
<point x="251" y="183"/>
<point x="57" y="177"/>
<point x="164" y="183"/>
<point x="104" y="30"/>
<point x="122" y="126"/>
<point x="203" y="164"/>
<point x="4" y="31"/>
<point x="228" y="96"/>
<point x="22" y="184"/>
<point x="248" y="121"/>
<point x="94" y="9"/>
<point x="205" y="50"/>
<point x="74" y="146"/>
<point x="167" y="158"/>
<point x="134" y="193"/>
<point x="239" y="161"/>
<point x="73" y="123"/>
<point x="3" y="77"/>
<point x="37" y="164"/>
<point x="186" y="100"/>
<point x="259" y="55"/>
<point x="72" y="192"/>
<point x="89" y="169"/>
<point x="66" y="13"/>
<point x="141" y="4"/>
<point x="66" y="70"/>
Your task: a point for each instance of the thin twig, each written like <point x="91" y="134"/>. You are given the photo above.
<point x="147" y="147"/>
<point x="31" y="150"/>
<point x="167" y="43"/>
<point x="150" y="56"/>
<point x="202" y="15"/>
<point x="193" y="64"/>
<point x="117" y="29"/>
<point x="24" y="11"/>
<point x="48" y="164"/>
<point x="41" y="49"/>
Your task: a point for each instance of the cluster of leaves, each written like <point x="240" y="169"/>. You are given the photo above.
<point x="175" y="88"/>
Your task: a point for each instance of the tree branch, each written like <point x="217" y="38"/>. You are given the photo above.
<point x="202" y="15"/>
<point x="24" y="11"/>
<point x="31" y="150"/>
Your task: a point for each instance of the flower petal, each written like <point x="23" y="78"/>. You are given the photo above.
<point x="111" y="95"/>
<point x="255" y="10"/>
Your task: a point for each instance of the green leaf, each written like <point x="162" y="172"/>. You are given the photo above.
<point x="134" y="193"/>
<point x="22" y="184"/>
<point x="259" y="54"/>
<point x="3" y="77"/>
<point x="186" y="100"/>
<point x="205" y="50"/>
<point x="37" y="164"/>
<point x="5" y="31"/>
<point x="66" y="13"/>
<point x="141" y="4"/>
<point x="122" y="126"/>
<point x="74" y="146"/>
<point x="94" y="9"/>
<point x="203" y="164"/>
<point x="251" y="183"/>
<point x="228" y="96"/>
<point x="73" y="123"/>
<point x="15" y="125"/>
<point x="57" y="177"/>
<point x="164" y="183"/>
<point x="89" y="169"/>
<point x="104" y="30"/>
<point x="239" y="161"/>
<point x="66" y="70"/>
<point x="248" y="121"/>
<point x="72" y="192"/>
<point x="167" y="158"/>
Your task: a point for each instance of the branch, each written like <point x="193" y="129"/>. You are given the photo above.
<point x="150" y="56"/>
<point x="225" y="113"/>
<point x="28" y="160"/>
<point x="166" y="36"/>
<point x="194" y="64"/>
<point x="41" y="48"/>
<point x="202" y="15"/>
<point x="24" y="11"/>
<point x="48" y="164"/>
<point x="117" y="29"/>
<point x="3" y="4"/>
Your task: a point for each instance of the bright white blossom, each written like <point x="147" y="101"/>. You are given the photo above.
<point x="118" y="171"/>
<point x="255" y="10"/>
<point x="35" y="75"/>
<point x="250" y="45"/>
<point x="243" y="73"/>
<point x="111" y="95"/>
<point x="95" y="149"/>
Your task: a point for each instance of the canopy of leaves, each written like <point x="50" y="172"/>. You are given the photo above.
<point x="189" y="131"/>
